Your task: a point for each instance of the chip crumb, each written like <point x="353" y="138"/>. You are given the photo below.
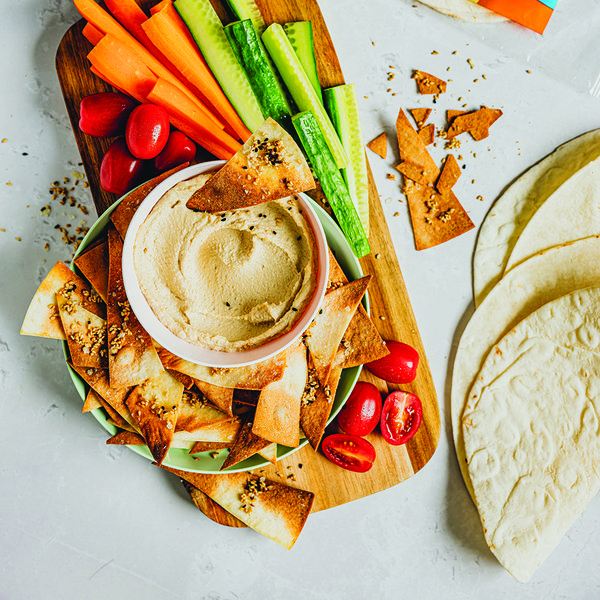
<point x="480" y="198"/>
<point x="391" y="176"/>
<point x="470" y="61"/>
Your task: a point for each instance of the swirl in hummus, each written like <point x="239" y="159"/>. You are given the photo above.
<point x="229" y="281"/>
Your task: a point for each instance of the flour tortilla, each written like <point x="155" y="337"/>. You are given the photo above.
<point x="571" y="213"/>
<point x="466" y="10"/>
<point x="526" y="288"/>
<point x="531" y="430"/>
<point x="514" y="208"/>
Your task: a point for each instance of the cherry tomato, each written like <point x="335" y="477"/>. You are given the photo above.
<point x="399" y="366"/>
<point x="362" y="411"/>
<point x="105" y="114"/>
<point x="147" y="130"/>
<point x="179" y="149"/>
<point x="120" y="171"/>
<point x="400" y="417"/>
<point x="349" y="451"/>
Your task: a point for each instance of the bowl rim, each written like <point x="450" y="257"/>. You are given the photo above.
<point x="198" y="354"/>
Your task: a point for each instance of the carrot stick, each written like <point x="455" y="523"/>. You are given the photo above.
<point x="123" y="68"/>
<point x="103" y="21"/>
<point x="130" y="15"/>
<point x="91" y="33"/>
<point x="158" y="7"/>
<point x="170" y="35"/>
<point x="191" y="122"/>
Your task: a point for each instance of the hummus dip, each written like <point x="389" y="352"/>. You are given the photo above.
<point x="229" y="281"/>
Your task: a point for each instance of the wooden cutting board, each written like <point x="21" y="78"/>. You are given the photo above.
<point x="390" y="305"/>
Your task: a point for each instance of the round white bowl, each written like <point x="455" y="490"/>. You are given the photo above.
<point x="198" y="354"/>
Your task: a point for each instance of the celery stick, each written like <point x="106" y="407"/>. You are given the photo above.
<point x="279" y="47"/>
<point x="342" y="105"/>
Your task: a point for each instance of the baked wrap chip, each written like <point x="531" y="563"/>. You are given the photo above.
<point x="273" y="509"/>
<point x="269" y="166"/>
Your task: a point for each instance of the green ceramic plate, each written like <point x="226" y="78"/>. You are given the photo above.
<point x="203" y="463"/>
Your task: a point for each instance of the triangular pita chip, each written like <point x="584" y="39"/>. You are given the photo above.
<point x="327" y="329"/>
<point x="420" y="115"/>
<point x="317" y="403"/>
<point x="93" y="264"/>
<point x="273" y="509"/>
<point x="97" y="379"/>
<point x="253" y="377"/>
<point x="414" y="172"/>
<point x="195" y="412"/>
<point x="278" y="408"/>
<point x="429" y="84"/>
<point x="220" y="431"/>
<point x="435" y="218"/>
<point x="269" y="453"/>
<point x="427" y="134"/>
<point x="246" y="444"/>
<point x="85" y="333"/>
<point x="209" y="447"/>
<point x="122" y="215"/>
<point x="413" y="150"/>
<point x="154" y="404"/>
<point x="42" y="317"/>
<point x="477" y="123"/>
<point x="221" y="397"/>
<point x="361" y="342"/>
<point x="379" y="145"/>
<point x="132" y="357"/>
<point x="269" y="166"/>
<point x="449" y="175"/>
<point x="92" y="401"/>
<point x="126" y="438"/>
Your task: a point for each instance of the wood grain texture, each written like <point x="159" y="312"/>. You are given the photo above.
<point x="390" y="305"/>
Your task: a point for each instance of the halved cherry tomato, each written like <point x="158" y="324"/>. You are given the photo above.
<point x="105" y="114"/>
<point x="399" y="366"/>
<point x="120" y="171"/>
<point x="179" y="149"/>
<point x="349" y="451"/>
<point x="361" y="413"/>
<point x="400" y="417"/>
<point x="147" y="130"/>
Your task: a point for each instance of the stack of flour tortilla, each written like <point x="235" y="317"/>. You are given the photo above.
<point x="525" y="399"/>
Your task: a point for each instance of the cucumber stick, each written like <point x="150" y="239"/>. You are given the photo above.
<point x="331" y="180"/>
<point x="252" y="56"/>
<point x="279" y="47"/>
<point x="342" y="105"/>
<point x="207" y="30"/>
<point x="247" y="9"/>
<point x="300" y="34"/>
